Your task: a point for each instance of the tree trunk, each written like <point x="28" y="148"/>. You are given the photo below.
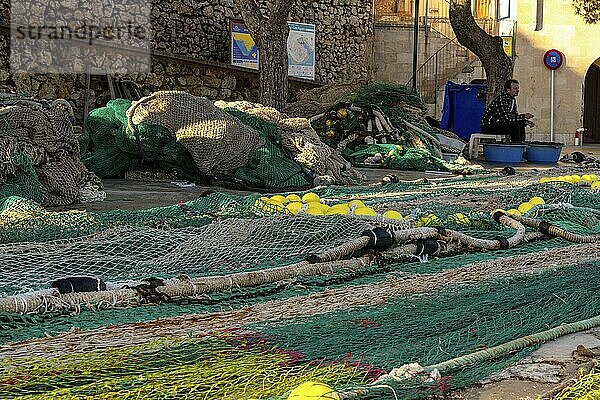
<point x="273" y="67"/>
<point x="270" y="33"/>
<point x="498" y="66"/>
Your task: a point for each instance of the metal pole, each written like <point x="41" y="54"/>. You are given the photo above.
<point x="426" y="21"/>
<point x="552" y="109"/>
<point x="415" y="46"/>
<point x="435" y="86"/>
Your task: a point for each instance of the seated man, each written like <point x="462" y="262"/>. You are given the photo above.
<point x="501" y="116"/>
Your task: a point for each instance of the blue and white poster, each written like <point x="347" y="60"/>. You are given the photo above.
<point x="243" y="49"/>
<point x="301" y="50"/>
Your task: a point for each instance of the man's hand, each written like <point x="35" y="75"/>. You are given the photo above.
<point x="528" y="115"/>
<point x="530" y="124"/>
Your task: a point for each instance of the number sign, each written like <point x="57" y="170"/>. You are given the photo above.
<point x="553" y="59"/>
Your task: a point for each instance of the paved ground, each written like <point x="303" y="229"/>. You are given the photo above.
<point x="135" y="195"/>
<point x="551" y="367"/>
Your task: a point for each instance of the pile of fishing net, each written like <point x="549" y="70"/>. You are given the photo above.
<point x="385" y="125"/>
<point x="237" y="142"/>
<point x="40" y="153"/>
<point x="299" y="139"/>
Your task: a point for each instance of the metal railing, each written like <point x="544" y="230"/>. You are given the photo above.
<point x="441" y="65"/>
<point x="451" y="58"/>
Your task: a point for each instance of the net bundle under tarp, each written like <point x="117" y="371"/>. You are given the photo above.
<point x="239" y="281"/>
<point x="40" y="153"/>
<point x="110" y="149"/>
<point x="384" y="114"/>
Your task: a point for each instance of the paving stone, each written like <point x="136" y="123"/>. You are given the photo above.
<point x="561" y="349"/>
<point x="508" y="390"/>
<point x="537" y="372"/>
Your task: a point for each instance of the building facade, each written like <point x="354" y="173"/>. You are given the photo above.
<point x="546" y="25"/>
<point x="536" y="26"/>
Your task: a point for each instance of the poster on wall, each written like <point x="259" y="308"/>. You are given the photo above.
<point x="243" y="49"/>
<point x="507" y="45"/>
<point x="300" y="48"/>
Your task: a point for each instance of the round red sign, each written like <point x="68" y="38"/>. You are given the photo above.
<point x="553" y="59"/>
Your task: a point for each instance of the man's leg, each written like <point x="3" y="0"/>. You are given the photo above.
<point x="516" y="130"/>
<point x="521" y="130"/>
<point x="501" y="128"/>
<point x="494" y="129"/>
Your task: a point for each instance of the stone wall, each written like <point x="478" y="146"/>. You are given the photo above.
<point x="344" y="32"/>
<point x="393" y="50"/>
<point x="168" y="73"/>
<point x="190" y="51"/>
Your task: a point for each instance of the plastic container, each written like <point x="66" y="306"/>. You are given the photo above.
<point x="504" y="152"/>
<point x="543" y="152"/>
<point x="463" y="108"/>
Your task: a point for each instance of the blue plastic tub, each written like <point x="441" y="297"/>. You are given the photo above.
<point x="504" y="152"/>
<point x="543" y="152"/>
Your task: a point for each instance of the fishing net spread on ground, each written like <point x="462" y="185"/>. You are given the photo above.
<point x="586" y="388"/>
<point x="384" y="124"/>
<point x="40" y="153"/>
<point x="247" y="297"/>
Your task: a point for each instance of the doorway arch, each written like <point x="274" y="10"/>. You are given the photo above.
<point x="591" y="103"/>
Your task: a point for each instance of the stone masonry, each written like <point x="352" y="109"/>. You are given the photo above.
<point x="190" y="51"/>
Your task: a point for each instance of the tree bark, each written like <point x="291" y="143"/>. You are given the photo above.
<point x="270" y="33"/>
<point x="497" y="65"/>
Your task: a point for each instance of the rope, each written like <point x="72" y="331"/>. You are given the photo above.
<point x="346" y="249"/>
<point x="332" y="300"/>
<point x="553" y="230"/>
<point x="130" y="297"/>
<point x="514" y="345"/>
<point x="495" y="244"/>
<point x="475" y="358"/>
<point x="316" y="266"/>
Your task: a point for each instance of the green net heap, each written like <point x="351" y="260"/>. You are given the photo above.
<point x="197" y="140"/>
<point x="384" y="125"/>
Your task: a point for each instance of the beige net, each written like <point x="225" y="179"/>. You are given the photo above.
<point x="303" y="143"/>
<point x="217" y="141"/>
<point x="319" y="100"/>
<point x="43" y="133"/>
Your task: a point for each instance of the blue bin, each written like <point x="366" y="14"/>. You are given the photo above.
<point x="543" y="153"/>
<point x="504" y="152"/>
<point x="463" y="108"/>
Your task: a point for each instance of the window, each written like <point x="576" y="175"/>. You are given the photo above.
<point x="503" y="9"/>
<point x="483" y="9"/>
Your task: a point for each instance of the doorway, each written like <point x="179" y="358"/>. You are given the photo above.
<point x="591" y="103"/>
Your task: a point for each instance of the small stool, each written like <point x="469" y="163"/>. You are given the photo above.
<point x="474" y="142"/>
